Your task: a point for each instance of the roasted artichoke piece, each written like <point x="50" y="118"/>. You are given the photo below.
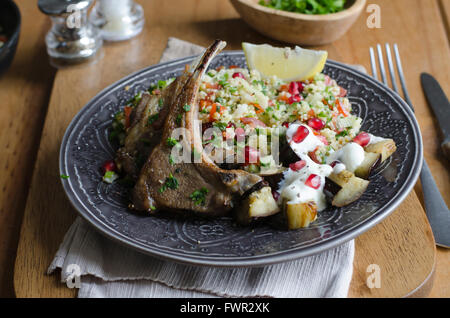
<point x="344" y="188"/>
<point x="371" y="162"/>
<point x="258" y="204"/>
<point x="386" y="148"/>
<point x="299" y="215"/>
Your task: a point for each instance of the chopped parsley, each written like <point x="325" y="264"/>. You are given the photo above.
<point x="63" y="176"/>
<point x="160" y="103"/>
<point x="153" y="118"/>
<point x="134" y="101"/>
<point x="171" y="142"/>
<point x="171" y="161"/>
<point x="178" y="119"/>
<point x="220" y="125"/>
<point x="170" y="183"/>
<point x="187" y="107"/>
<point x="199" y="196"/>
<point x="342" y="134"/>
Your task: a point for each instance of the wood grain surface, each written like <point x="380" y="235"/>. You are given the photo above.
<point x="24" y="92"/>
<point x="402" y="245"/>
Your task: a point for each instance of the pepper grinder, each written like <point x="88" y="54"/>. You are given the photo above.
<point x="117" y="20"/>
<point x="71" y="38"/>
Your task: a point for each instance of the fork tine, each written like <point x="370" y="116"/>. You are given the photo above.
<point x="373" y="63"/>
<point x="391" y="68"/>
<point x="381" y="62"/>
<point x="402" y="76"/>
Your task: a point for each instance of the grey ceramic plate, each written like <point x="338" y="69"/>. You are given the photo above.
<point x="220" y="242"/>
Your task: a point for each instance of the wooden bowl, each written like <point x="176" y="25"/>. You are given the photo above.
<point x="297" y="28"/>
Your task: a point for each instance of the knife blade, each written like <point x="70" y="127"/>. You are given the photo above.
<point x="441" y="107"/>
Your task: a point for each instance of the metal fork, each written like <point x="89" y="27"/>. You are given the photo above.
<point x="435" y="206"/>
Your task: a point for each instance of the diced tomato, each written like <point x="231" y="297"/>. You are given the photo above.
<point x="311" y="113"/>
<point x="297" y="165"/>
<point x="301" y="134"/>
<point x="328" y="80"/>
<point x="233" y="66"/>
<point x="252" y="122"/>
<point x="127" y="112"/>
<point x="313" y="181"/>
<point x="286" y="124"/>
<point x="363" y="139"/>
<point x="316" y="123"/>
<point x="251" y="155"/>
<point x="343" y="92"/>
<point x="109" y="165"/>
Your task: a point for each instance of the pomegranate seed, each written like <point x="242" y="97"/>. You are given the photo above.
<point x="251" y="155"/>
<point x="109" y="165"/>
<point x="231" y="125"/>
<point x="299" y="165"/>
<point x="275" y="195"/>
<point x="316" y="123"/>
<point x="286" y="124"/>
<point x="335" y="163"/>
<point x="300" y="135"/>
<point x="239" y="133"/>
<point x="295" y="99"/>
<point x="301" y="87"/>
<point x="313" y="181"/>
<point x="293" y="88"/>
<point x="238" y="74"/>
<point x="362" y="139"/>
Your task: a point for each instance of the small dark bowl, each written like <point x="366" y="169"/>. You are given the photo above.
<point x="10" y="20"/>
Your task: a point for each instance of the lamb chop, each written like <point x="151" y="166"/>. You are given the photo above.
<point x="201" y="187"/>
<point x="147" y="120"/>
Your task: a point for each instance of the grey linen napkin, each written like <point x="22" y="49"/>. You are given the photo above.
<point x="108" y="269"/>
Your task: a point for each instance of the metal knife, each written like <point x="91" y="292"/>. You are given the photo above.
<point x="441" y="107"/>
<point x="437" y="211"/>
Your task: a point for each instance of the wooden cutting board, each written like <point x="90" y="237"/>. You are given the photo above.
<point x="402" y="245"/>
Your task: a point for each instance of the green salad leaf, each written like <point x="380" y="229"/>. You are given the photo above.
<point x="306" y="6"/>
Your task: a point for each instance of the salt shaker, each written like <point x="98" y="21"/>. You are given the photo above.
<point x="117" y="20"/>
<point x="71" y="38"/>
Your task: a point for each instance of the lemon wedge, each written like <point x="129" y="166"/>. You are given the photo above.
<point x="288" y="64"/>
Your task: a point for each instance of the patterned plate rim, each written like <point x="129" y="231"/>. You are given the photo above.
<point x="256" y="260"/>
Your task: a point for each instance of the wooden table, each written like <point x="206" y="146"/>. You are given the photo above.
<point x="420" y="31"/>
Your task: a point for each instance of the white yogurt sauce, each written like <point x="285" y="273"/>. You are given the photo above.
<point x="293" y="187"/>
<point x="375" y="139"/>
<point x="351" y="156"/>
